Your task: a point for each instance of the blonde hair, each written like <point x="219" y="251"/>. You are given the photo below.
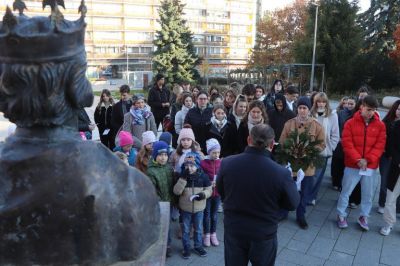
<point x="177" y="89"/>
<point x="321" y="97"/>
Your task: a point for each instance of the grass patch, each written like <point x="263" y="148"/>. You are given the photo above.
<point x="115" y="94"/>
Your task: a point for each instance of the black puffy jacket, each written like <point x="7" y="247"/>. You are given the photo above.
<point x="199" y="120"/>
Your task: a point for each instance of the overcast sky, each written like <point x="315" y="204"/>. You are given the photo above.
<point x="273" y="4"/>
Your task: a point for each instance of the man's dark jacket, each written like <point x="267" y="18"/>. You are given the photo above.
<point x="254" y="188"/>
<point x="118" y="112"/>
<point x="156" y="98"/>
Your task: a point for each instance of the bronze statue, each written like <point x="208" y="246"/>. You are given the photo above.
<point x="62" y="200"/>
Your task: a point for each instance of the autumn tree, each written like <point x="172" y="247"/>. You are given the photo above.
<point x="276" y="33"/>
<point x="395" y="54"/>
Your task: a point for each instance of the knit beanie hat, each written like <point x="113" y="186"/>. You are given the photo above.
<point x="186" y="133"/>
<point x="125" y="138"/>
<point x="192" y="158"/>
<point x="136" y="98"/>
<point x="148" y="137"/>
<point x="158" y="148"/>
<point x="212" y="144"/>
<point x="304" y="100"/>
<point x="166" y="137"/>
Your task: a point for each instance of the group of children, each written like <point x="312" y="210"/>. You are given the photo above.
<point x="185" y="178"/>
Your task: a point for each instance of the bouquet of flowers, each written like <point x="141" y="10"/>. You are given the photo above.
<point x="300" y="151"/>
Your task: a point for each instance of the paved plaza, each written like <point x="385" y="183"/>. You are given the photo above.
<point x="322" y="244"/>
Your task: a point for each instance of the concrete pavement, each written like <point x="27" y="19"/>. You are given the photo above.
<point x="322" y="244"/>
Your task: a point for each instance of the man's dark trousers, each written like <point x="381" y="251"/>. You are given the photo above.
<point x="239" y="251"/>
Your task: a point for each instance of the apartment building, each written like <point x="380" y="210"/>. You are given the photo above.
<point x="120" y="32"/>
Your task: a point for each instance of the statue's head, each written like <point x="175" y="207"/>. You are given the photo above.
<point x="43" y="67"/>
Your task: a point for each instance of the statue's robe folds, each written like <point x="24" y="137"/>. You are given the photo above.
<point x="66" y="201"/>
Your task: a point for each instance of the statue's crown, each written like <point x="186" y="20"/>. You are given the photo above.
<point x="41" y="39"/>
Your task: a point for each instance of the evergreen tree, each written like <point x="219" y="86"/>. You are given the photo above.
<point x="379" y="24"/>
<point x="174" y="55"/>
<point x="339" y="42"/>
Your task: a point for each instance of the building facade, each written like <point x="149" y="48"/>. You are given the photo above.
<point x="120" y="33"/>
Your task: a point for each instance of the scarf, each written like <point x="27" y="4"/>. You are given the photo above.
<point x="139" y="115"/>
<point x="178" y="166"/>
<point x="185" y="109"/>
<point x="219" y="124"/>
<point x="251" y="122"/>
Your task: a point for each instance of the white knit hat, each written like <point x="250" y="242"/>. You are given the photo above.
<point x="186" y="133"/>
<point x="212" y="144"/>
<point x="148" y="137"/>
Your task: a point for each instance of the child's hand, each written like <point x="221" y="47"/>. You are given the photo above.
<point x="200" y="195"/>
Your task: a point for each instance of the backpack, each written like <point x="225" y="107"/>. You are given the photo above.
<point x="168" y="124"/>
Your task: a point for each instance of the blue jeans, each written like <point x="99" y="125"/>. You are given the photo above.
<point x="350" y="179"/>
<point x="211" y="215"/>
<point x="319" y="175"/>
<point x="384" y="165"/>
<point x="305" y="196"/>
<point x="188" y="219"/>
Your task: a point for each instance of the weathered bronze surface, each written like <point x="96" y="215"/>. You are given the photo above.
<point x="62" y="200"/>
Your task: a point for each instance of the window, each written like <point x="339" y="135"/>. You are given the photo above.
<point x="106" y="21"/>
<point x="138" y="10"/>
<point x="214" y="50"/>
<point x="107" y="35"/>
<point x="216" y="26"/>
<point x="133" y="50"/>
<point x="139" y="36"/>
<point x="107" y="8"/>
<point x="198" y="38"/>
<point x="138" y="23"/>
<point x="199" y="50"/>
<point x="146" y="50"/>
<point x="212" y="38"/>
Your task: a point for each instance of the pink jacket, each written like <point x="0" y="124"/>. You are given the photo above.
<point x="211" y="168"/>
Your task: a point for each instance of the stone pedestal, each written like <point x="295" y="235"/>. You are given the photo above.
<point x="155" y="255"/>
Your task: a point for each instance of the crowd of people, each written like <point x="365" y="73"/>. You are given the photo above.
<point x="203" y="127"/>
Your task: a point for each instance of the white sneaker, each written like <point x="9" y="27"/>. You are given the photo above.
<point x="353" y="206"/>
<point x="381" y="210"/>
<point x="385" y="230"/>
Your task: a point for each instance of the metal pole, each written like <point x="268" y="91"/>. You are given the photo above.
<point x="315" y="44"/>
<point x="323" y="79"/>
<point x="127" y="64"/>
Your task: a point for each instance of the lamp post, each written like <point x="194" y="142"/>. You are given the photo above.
<point x="127" y="63"/>
<point x="315" y="44"/>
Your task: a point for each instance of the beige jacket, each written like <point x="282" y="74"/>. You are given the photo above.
<point x="185" y="190"/>
<point x="315" y="129"/>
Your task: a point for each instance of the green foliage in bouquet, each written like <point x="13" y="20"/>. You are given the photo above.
<point x="300" y="151"/>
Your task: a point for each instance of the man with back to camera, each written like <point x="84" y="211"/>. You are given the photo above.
<point x="252" y="199"/>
